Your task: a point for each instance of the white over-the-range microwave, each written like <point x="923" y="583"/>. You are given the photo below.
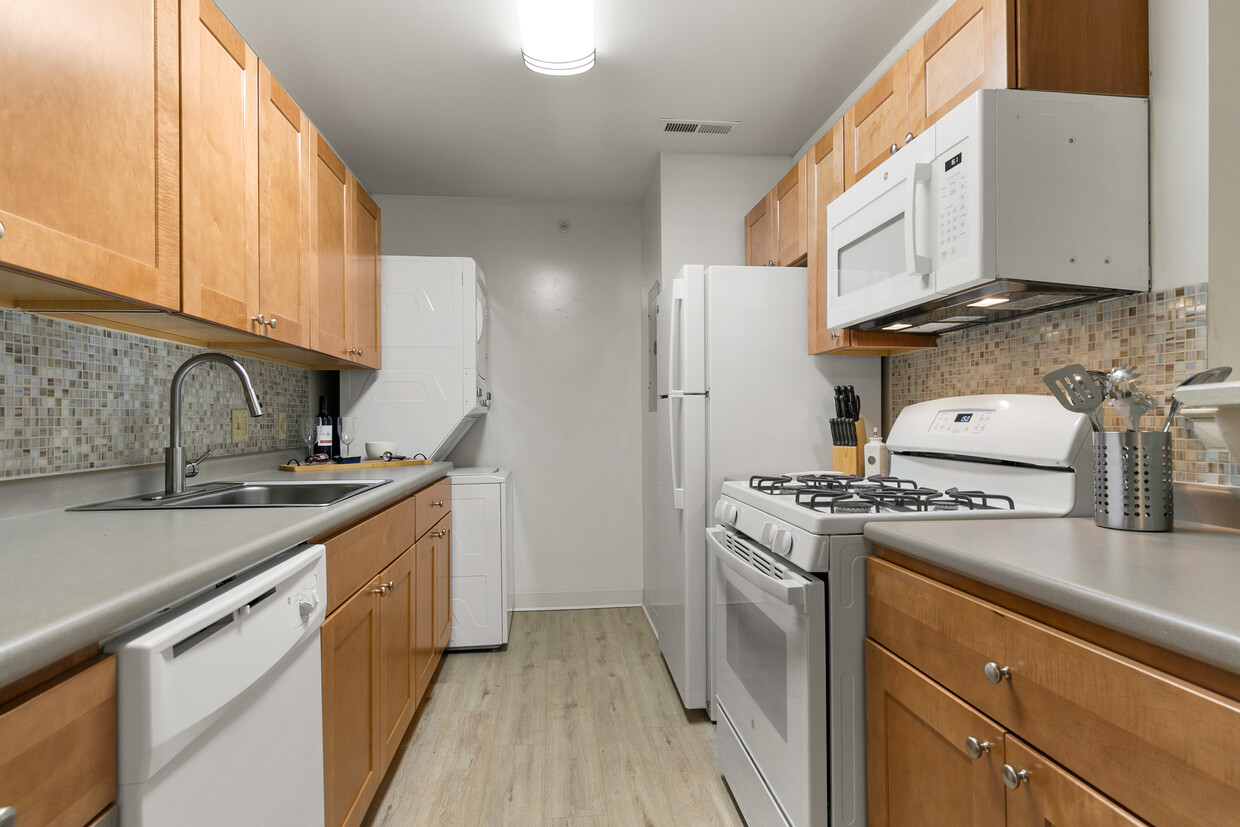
<point x="1012" y="203"/>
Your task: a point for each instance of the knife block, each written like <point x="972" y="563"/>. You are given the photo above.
<point x="849" y="459"/>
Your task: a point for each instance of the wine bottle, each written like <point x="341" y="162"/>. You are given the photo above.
<point x="324" y="429"/>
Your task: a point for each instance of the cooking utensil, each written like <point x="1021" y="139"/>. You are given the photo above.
<point x="1131" y="406"/>
<point x="1078" y="391"/>
<point x="1122" y="380"/>
<point x="1218" y="374"/>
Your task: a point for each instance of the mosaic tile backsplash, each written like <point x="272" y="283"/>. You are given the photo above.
<point x="1163" y="334"/>
<point x="75" y="397"/>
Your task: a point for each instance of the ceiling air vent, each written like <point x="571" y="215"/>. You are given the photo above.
<point x="699" y="127"/>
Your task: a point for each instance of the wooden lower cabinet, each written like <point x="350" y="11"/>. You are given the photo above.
<point x="382" y="641"/>
<point x="352" y="734"/>
<point x="1096" y="730"/>
<point x="58" y="747"/>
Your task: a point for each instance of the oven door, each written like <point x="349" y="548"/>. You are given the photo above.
<point x="771" y="686"/>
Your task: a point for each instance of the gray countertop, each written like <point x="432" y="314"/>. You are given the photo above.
<point x="1178" y="589"/>
<point x="68" y="579"/>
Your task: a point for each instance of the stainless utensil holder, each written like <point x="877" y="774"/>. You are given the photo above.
<point x="1132" y="480"/>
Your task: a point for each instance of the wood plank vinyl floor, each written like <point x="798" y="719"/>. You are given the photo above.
<point x="577" y="723"/>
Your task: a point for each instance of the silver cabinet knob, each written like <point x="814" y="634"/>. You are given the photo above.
<point x="359" y="351"/>
<point x="437" y="504"/>
<point x="995" y="672"/>
<point x="8" y="815"/>
<point x="835" y="337"/>
<point x="975" y="748"/>
<point x="261" y="318"/>
<point x="770" y="262"/>
<point x="894" y="149"/>
<point x="908" y="137"/>
<point x="1013" y="778"/>
<point x="382" y="590"/>
<point x="2" y="824"/>
<point x="391" y="584"/>
<point x="271" y="322"/>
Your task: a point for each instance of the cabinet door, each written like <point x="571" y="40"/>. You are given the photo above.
<point x="1100" y="47"/>
<point x="396" y="624"/>
<point x="760" y="239"/>
<point x="58" y="748"/>
<point x="826" y="183"/>
<point x="283" y="213"/>
<point x="1052" y="796"/>
<point x="424" y="608"/>
<point x="363" y="293"/>
<point x="443" y="582"/>
<point x="917" y="742"/>
<point x="90" y="118"/>
<point x="791" y="194"/>
<point x="329" y="200"/>
<point x="876" y="123"/>
<point x="219" y="169"/>
<point x="964" y="51"/>
<point x="352" y="744"/>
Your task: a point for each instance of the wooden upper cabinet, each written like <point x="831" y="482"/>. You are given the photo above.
<point x="877" y="122"/>
<point x="363" y="294"/>
<point x="329" y="206"/>
<point x="791" y="231"/>
<point x="89" y="184"/>
<point x="1101" y="47"/>
<point x="760" y="237"/>
<point x="964" y="51"/>
<point x="219" y="169"/>
<point x="283" y="214"/>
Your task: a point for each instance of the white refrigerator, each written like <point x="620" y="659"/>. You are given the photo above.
<point x="738" y="395"/>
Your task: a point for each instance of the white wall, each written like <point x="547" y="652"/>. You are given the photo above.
<point x="566" y="348"/>
<point x="1224" y="192"/>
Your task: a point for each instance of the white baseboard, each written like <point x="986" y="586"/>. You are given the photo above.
<point x="650" y="620"/>
<point x="603" y="599"/>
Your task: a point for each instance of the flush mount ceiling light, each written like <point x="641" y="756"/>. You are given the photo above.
<point x="557" y="36"/>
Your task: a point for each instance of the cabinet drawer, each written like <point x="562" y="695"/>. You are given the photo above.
<point x="58" y="763"/>
<point x="1162" y="747"/>
<point x="432" y="503"/>
<point x="358" y="554"/>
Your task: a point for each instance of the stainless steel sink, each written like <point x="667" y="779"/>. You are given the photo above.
<point x="265" y="494"/>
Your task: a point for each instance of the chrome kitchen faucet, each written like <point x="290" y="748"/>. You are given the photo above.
<point x="175" y="466"/>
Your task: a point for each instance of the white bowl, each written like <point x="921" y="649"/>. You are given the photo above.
<point x="376" y="450"/>
<point x="1214" y="409"/>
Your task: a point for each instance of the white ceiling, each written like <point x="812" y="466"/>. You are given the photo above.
<point x="431" y="98"/>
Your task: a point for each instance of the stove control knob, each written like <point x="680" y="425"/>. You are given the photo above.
<point x="725" y="512"/>
<point x="768" y="534"/>
<point x="781" y="543"/>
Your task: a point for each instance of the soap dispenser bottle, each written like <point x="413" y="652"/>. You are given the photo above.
<point x="877" y="457"/>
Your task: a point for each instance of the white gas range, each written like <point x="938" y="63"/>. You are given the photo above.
<point x="789" y="586"/>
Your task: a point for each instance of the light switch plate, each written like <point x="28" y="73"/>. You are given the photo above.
<point x="282" y="426"/>
<point x="240" y="425"/>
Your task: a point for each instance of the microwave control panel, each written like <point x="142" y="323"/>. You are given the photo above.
<point x="960" y="422"/>
<point x="953" y="206"/>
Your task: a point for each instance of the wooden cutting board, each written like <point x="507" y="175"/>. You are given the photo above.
<point x="349" y="466"/>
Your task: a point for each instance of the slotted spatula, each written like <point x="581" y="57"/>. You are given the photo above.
<point x="1078" y="390"/>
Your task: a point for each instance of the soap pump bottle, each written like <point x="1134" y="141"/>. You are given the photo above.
<point x="877" y="457"/>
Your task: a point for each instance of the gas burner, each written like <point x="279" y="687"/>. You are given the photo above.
<point x="772" y="485"/>
<point x="978" y="499"/>
<point x="893" y="482"/>
<point x="832" y="481"/>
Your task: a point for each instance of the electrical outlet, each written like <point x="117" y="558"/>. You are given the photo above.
<point x="240" y="425"/>
<point x="282" y="426"/>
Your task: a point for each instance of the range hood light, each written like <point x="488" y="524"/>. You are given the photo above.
<point x="897" y="326"/>
<point x="991" y="302"/>
<point x="557" y="36"/>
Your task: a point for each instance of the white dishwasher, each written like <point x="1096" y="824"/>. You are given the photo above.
<point x="220" y="717"/>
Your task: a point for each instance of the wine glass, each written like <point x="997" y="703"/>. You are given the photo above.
<point x="346" y="429"/>
<point x="309" y="432"/>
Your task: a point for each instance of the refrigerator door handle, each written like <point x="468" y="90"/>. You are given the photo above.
<point x="675" y="403"/>
<point x="678" y="311"/>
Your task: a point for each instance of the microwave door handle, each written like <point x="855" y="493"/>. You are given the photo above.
<point x="917" y="265"/>
<point x="791" y="592"/>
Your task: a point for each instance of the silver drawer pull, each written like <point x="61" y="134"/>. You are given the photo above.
<point x="996" y="673"/>
<point x="8" y="815"/>
<point x="975" y="748"/>
<point x="1013" y="778"/>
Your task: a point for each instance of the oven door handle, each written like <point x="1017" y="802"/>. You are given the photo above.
<point x="791" y="592"/>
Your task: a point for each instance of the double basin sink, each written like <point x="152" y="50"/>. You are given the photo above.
<point x="266" y="494"/>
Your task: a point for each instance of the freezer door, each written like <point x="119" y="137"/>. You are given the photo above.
<point x="677" y="589"/>
<point x="682" y="333"/>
